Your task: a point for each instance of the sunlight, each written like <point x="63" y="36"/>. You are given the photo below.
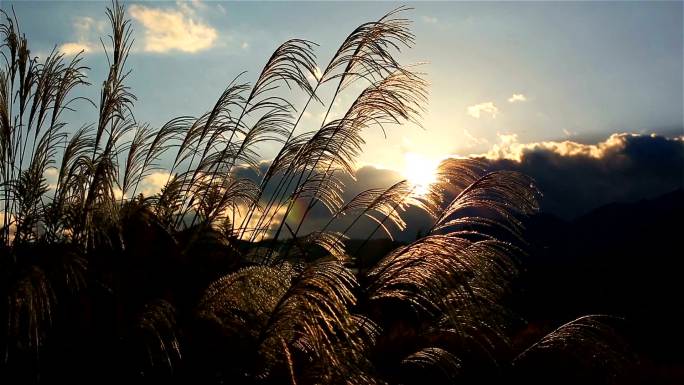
<point x="419" y="170"/>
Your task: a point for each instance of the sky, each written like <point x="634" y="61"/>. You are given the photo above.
<point x="506" y="79"/>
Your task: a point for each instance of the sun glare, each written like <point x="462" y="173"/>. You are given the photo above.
<point x="419" y="170"/>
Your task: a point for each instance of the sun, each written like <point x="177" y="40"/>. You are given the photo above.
<point x="420" y="171"/>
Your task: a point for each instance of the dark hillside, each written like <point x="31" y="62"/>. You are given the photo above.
<point x="622" y="259"/>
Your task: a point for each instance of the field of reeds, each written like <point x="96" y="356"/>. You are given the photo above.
<point x="213" y="279"/>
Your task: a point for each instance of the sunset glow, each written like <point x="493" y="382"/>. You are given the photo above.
<point x="246" y="192"/>
<point x="419" y="170"/>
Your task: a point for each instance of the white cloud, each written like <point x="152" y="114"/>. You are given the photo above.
<point x="70" y="49"/>
<point x="483" y="108"/>
<point x="154" y="182"/>
<point x="569" y="133"/>
<point x="472" y="141"/>
<point x="86" y="30"/>
<point x="517" y="98"/>
<point x="84" y="25"/>
<point x="510" y="148"/>
<point x="430" y="19"/>
<point x="173" y="29"/>
<point x="51" y="174"/>
<point x="244" y="45"/>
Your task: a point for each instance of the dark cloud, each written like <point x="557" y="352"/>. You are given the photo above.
<point x="367" y="177"/>
<point x="573" y="177"/>
<point x="576" y="178"/>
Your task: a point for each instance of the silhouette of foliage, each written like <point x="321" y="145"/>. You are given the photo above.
<point x="214" y="278"/>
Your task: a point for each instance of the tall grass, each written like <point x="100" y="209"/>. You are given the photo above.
<point x="214" y="279"/>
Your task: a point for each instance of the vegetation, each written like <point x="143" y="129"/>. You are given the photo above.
<point x="213" y="279"/>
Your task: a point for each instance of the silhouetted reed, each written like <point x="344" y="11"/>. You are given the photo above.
<point x="213" y="279"/>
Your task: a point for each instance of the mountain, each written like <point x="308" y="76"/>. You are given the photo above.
<point x="622" y="259"/>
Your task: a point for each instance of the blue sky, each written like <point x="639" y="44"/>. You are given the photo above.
<point x="527" y="72"/>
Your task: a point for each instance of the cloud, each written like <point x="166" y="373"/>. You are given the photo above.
<point x="153" y="183"/>
<point x="574" y="177"/>
<point x="176" y="29"/>
<point x="71" y="49"/>
<point x="472" y="141"/>
<point x="365" y="177"/>
<point x="430" y="19"/>
<point x="50" y="176"/>
<point x="84" y="25"/>
<point x="368" y="177"/>
<point x="86" y="30"/>
<point x="517" y="98"/>
<point x="510" y="148"/>
<point x="483" y="108"/>
<point x="577" y="177"/>
<point x="569" y="133"/>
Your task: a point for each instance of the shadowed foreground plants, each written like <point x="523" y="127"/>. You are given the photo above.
<point x="219" y="277"/>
